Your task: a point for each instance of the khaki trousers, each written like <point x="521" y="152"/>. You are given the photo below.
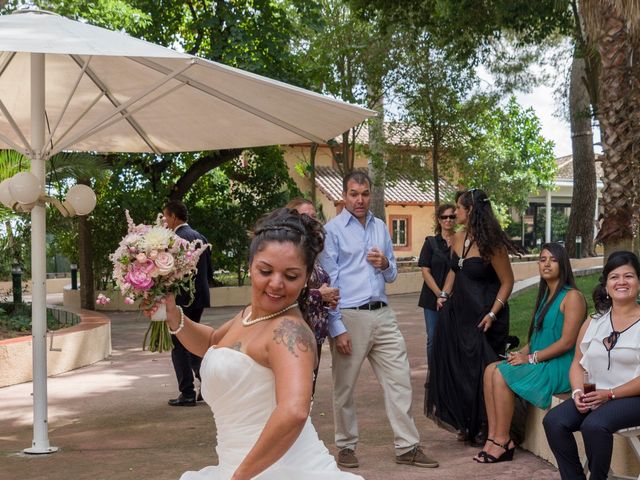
<point x="374" y="335"/>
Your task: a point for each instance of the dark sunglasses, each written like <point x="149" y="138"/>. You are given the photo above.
<point x="447" y="217"/>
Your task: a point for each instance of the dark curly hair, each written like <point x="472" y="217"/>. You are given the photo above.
<point x="601" y="300"/>
<point x="287" y="225"/>
<point x="483" y="224"/>
<point x="565" y="278"/>
<point x="439" y="211"/>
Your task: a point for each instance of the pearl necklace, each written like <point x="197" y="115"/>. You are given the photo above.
<point x="247" y="322"/>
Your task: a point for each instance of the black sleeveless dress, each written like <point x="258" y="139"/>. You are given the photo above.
<point x="461" y="351"/>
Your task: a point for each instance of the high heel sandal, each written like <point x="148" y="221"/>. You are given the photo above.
<point x="482" y="453"/>
<point x="507" y="456"/>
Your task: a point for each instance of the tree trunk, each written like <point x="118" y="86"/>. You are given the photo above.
<point x="312" y="175"/>
<point x="608" y="30"/>
<point x="583" y="202"/>
<point x="435" y="157"/>
<point x="376" y="161"/>
<point x="87" y="292"/>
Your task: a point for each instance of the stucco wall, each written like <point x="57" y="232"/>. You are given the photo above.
<point x="67" y="349"/>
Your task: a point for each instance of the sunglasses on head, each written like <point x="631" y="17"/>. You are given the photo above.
<point x="447" y="217"/>
<point x="471" y="191"/>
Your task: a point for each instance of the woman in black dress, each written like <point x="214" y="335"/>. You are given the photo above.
<point x="434" y="263"/>
<point x="474" y="321"/>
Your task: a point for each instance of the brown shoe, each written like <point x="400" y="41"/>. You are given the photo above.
<point x="347" y="458"/>
<point x="417" y="458"/>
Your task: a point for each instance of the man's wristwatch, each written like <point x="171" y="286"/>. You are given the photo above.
<point x="443" y="294"/>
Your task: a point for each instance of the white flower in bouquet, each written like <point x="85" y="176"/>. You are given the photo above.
<point x="149" y="263"/>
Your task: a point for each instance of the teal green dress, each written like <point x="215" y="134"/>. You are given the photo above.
<point x="538" y="383"/>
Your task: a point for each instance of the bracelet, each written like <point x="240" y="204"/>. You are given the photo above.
<point x="443" y="294"/>
<point x="535" y="357"/>
<point x="181" y="326"/>
<point x="611" y="395"/>
<point x="573" y="394"/>
<point x="501" y="302"/>
<point x="492" y="315"/>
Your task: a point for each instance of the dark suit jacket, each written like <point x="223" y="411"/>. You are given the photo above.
<point x="205" y="271"/>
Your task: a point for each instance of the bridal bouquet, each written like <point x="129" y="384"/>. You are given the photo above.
<point x="150" y="262"/>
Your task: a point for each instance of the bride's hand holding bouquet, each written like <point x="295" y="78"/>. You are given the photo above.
<point x="150" y="263"/>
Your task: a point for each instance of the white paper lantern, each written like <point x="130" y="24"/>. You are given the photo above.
<point x="25" y="187"/>
<point x="5" y="195"/>
<point x="81" y="199"/>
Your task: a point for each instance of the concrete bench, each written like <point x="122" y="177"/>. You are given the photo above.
<point x="626" y="443"/>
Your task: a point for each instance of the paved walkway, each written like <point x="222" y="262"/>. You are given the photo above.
<point x="111" y="420"/>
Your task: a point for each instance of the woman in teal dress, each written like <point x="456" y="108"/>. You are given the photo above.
<point x="541" y="368"/>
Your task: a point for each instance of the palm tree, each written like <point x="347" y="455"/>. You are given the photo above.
<point x="612" y="26"/>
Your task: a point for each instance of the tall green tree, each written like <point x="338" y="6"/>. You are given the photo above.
<point x="255" y="35"/>
<point x="522" y="24"/>
<point x="505" y="155"/>
<point x="348" y="56"/>
<point x="436" y="93"/>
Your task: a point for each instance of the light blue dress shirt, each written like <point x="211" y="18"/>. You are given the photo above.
<point x="345" y="259"/>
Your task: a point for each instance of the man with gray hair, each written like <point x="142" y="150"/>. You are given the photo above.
<point x="358" y="255"/>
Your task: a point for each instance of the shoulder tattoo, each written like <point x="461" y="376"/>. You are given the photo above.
<point x="236" y="346"/>
<point x="294" y="336"/>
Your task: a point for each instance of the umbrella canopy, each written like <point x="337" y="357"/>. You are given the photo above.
<point x="108" y="92"/>
<point x="66" y="85"/>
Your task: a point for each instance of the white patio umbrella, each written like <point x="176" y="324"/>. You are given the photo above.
<point x="66" y="85"/>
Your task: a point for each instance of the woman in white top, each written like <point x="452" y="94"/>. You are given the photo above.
<point x="607" y="355"/>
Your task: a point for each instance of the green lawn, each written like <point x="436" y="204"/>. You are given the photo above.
<point x="522" y="305"/>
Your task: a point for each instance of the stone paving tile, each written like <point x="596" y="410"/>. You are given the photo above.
<point x="111" y="420"/>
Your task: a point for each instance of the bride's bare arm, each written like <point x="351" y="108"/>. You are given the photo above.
<point x="291" y="355"/>
<point x="196" y="337"/>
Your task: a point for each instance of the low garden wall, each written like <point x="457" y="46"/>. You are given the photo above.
<point x="407" y="282"/>
<point x="67" y="349"/>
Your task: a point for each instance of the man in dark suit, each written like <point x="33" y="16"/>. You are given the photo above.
<point x="186" y="364"/>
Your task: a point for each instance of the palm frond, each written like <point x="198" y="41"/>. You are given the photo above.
<point x="67" y="165"/>
<point x="61" y="167"/>
<point x="12" y="162"/>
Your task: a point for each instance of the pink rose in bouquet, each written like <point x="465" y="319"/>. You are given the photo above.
<point x="138" y="277"/>
<point x="165" y="263"/>
<point x="150" y="262"/>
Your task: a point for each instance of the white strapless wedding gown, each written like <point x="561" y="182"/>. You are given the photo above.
<point x="241" y="393"/>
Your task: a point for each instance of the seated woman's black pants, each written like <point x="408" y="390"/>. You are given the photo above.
<point x="597" y="428"/>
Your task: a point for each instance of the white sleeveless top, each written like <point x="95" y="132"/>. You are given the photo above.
<point x="625" y="355"/>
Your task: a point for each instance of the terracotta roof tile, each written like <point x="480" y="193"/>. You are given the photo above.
<point x="565" y="168"/>
<point x="403" y="191"/>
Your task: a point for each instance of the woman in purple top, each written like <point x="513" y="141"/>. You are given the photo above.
<point x="320" y="297"/>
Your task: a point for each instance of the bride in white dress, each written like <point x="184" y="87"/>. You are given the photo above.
<point x="257" y="368"/>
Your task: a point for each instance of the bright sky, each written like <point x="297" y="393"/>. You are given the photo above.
<point x="553" y="128"/>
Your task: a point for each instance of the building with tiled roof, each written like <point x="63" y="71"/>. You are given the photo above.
<point x="409" y="203"/>
<point x="402" y="191"/>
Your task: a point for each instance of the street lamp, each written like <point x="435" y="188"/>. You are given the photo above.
<point x="22" y="191"/>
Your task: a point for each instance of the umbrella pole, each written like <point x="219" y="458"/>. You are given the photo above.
<point x="40" y="443"/>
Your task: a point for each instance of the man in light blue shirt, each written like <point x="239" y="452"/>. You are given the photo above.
<point x="358" y="255"/>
